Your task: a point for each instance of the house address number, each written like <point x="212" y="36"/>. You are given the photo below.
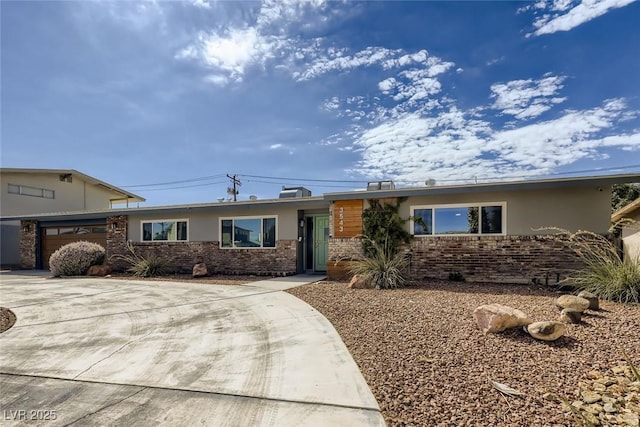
<point x="347" y="218"/>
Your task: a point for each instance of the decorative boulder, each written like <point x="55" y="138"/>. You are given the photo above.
<point x="571" y="301"/>
<point x="358" y="282"/>
<point x="497" y="317"/>
<point x="594" y="303"/>
<point x="99" y="270"/>
<point x="569" y="315"/>
<point x="546" y="331"/>
<point x="200" y="270"/>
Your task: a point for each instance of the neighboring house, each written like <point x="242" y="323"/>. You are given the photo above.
<point x="630" y="231"/>
<point x="35" y="191"/>
<point x="486" y="232"/>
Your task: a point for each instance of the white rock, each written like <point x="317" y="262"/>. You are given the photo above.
<point x="497" y="317"/>
<point x="546" y="331"/>
<point x="571" y="301"/>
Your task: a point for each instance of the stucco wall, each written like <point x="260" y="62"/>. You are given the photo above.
<point x="69" y="196"/>
<point x="205" y="226"/>
<point x="586" y="208"/>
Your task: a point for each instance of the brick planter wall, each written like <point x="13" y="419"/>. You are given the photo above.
<point x="345" y="249"/>
<point x="28" y="244"/>
<point x="280" y="261"/>
<point x="182" y="256"/>
<point x="511" y="259"/>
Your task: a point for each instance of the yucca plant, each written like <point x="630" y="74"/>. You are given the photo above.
<point x="143" y="266"/>
<point x="605" y="272"/>
<point x="382" y="269"/>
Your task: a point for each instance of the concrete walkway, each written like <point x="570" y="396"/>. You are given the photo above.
<point x="111" y="352"/>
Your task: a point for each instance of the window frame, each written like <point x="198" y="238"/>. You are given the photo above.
<point x="479" y="205"/>
<point x="259" y="217"/>
<point x="152" y="221"/>
<point x="45" y="193"/>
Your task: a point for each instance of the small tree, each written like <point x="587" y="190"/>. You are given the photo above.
<point x="382" y="224"/>
<point x="623" y="194"/>
<point x="383" y="266"/>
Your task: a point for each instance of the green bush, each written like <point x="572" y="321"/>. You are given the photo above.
<point x="74" y="259"/>
<point x="143" y="266"/>
<point x="382" y="269"/>
<point x="382" y="224"/>
<point x="605" y="273"/>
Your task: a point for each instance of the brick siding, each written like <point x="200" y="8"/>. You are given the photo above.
<point x="182" y="256"/>
<point x="509" y="259"/>
<point x="28" y="244"/>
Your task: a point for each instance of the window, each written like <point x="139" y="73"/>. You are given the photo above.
<point x="164" y="231"/>
<point x="248" y="232"/>
<point x="484" y="218"/>
<point x="24" y="190"/>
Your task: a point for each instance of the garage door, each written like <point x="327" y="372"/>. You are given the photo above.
<point x="55" y="237"/>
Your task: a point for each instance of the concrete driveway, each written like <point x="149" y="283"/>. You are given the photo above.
<point x="112" y="352"/>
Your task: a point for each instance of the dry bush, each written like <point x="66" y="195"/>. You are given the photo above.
<point x="74" y="259"/>
<point x="606" y="272"/>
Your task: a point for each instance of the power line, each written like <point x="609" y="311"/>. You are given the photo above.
<point x="174" y="182"/>
<point x="303" y="179"/>
<point x="184" y="186"/>
<point x="263" y="179"/>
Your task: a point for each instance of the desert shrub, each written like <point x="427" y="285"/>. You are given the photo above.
<point x="456" y="276"/>
<point x="382" y="269"/>
<point x="605" y="273"/>
<point x="74" y="259"/>
<point x="382" y="225"/>
<point x="143" y="266"/>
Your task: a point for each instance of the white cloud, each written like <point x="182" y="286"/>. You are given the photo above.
<point x="525" y="99"/>
<point x="232" y="52"/>
<point x="452" y="145"/>
<point x="275" y="146"/>
<point x="331" y="104"/>
<point x="336" y="60"/>
<point x="275" y="12"/>
<point x="566" y="15"/>
<point x="217" y="79"/>
<point x="204" y="4"/>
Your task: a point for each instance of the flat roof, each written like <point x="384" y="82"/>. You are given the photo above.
<point x="322" y="202"/>
<point x="303" y="202"/>
<point x="538" y="184"/>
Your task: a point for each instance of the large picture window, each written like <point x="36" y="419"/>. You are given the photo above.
<point x="254" y="232"/>
<point x="484" y="218"/>
<point x="165" y="230"/>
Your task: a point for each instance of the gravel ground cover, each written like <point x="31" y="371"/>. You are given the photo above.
<point x="7" y="319"/>
<point x="428" y="364"/>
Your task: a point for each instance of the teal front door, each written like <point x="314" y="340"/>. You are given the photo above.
<point x="320" y="242"/>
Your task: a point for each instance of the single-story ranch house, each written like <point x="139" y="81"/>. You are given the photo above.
<point x="484" y="232"/>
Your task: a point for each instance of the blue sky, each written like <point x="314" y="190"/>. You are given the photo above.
<point x="166" y="98"/>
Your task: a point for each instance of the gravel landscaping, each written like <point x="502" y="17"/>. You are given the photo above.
<point x="428" y="364"/>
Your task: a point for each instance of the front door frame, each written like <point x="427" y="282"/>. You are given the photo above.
<point x="310" y="243"/>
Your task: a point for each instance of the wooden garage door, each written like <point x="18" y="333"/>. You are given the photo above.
<point x="55" y="237"/>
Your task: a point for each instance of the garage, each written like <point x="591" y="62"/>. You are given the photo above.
<point x="54" y="237"/>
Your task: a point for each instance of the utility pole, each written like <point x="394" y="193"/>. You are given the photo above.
<point x="236" y="183"/>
